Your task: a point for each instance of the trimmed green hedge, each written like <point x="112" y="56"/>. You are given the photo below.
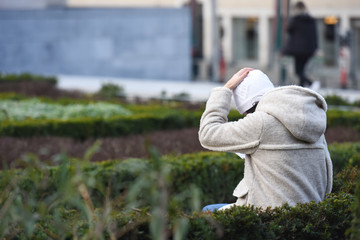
<point x="94" y="128"/>
<point x="201" y="169"/>
<point x="328" y="219"/>
<point x="26" y="77"/>
<point x="138" y="123"/>
<point x="344" y="155"/>
<point x="123" y="199"/>
<point x="335" y="100"/>
<point x="343" y="118"/>
<point x="145" y="118"/>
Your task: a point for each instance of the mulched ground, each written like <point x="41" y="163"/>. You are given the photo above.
<point x="167" y="142"/>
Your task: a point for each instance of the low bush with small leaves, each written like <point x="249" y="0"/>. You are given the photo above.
<point x="26" y="77"/>
<point x="111" y="90"/>
<point x="160" y="198"/>
<point x="14" y="110"/>
<point x="144" y="118"/>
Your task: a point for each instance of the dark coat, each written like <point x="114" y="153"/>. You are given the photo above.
<point x="302" y="39"/>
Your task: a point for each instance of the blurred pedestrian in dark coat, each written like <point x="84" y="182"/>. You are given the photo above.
<point x="302" y="41"/>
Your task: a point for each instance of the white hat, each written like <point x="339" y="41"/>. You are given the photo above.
<point x="251" y="89"/>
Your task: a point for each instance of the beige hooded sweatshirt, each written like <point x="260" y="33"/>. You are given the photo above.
<point x="287" y="159"/>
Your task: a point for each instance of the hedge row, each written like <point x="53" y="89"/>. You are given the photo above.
<point x="146" y="118"/>
<point x="137" y="123"/>
<point x="205" y="169"/>
<point x="83" y="128"/>
<point x="201" y="169"/>
<point x="128" y="199"/>
<point x="344" y="154"/>
<point x="335" y="100"/>
<point x="26" y="77"/>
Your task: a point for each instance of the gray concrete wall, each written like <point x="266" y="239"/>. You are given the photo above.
<point x="23" y="4"/>
<point x="31" y="4"/>
<point x="131" y="43"/>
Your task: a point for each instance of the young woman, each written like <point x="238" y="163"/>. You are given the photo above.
<point x="286" y="154"/>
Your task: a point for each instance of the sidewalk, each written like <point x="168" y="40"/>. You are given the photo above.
<point x="143" y="88"/>
<point x="197" y="90"/>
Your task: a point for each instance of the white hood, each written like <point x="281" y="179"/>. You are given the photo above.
<point x="301" y="110"/>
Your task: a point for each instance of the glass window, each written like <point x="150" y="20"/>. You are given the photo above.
<point x="245" y="39"/>
<point x="329" y="39"/>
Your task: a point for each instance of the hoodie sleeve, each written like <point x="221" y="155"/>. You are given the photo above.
<point x="329" y="168"/>
<point x="217" y="134"/>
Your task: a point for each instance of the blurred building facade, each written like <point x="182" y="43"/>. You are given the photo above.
<point x="249" y="30"/>
<point x="31" y="4"/>
<point x="136" y="43"/>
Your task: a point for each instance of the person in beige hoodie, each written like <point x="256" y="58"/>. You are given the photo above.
<point x="286" y="154"/>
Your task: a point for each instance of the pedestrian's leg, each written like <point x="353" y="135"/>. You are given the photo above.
<point x="306" y="79"/>
<point x="300" y="63"/>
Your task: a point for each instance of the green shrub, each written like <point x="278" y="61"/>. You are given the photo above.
<point x="111" y="90"/>
<point x="205" y="169"/>
<point x="345" y="181"/>
<point x="336" y="100"/>
<point x="122" y="199"/>
<point x="216" y="173"/>
<point x="80" y="197"/>
<point x="82" y="128"/>
<point x="156" y="118"/>
<point x="343" y="118"/>
<point x="14" y="110"/>
<point x="149" y="117"/>
<point x="27" y="77"/>
<point x="344" y="154"/>
<point x="354" y="231"/>
<point x="144" y="118"/>
<point x="328" y="219"/>
<point x="183" y="96"/>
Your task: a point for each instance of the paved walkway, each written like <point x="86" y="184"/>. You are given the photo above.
<point x="197" y="90"/>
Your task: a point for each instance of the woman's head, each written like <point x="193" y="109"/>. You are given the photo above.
<point x="250" y="91"/>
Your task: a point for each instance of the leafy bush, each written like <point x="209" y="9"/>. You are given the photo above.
<point x="83" y="128"/>
<point x="111" y="90"/>
<point x="354" y="232"/>
<point x="89" y="200"/>
<point x="336" y="100"/>
<point x="183" y="96"/>
<point x="155" y="199"/>
<point x="26" y="77"/>
<point x="151" y="120"/>
<point x="345" y="180"/>
<point x="343" y="118"/>
<point x="328" y="219"/>
<point x="201" y="169"/>
<point x="344" y="155"/>
<point x="35" y="109"/>
<point x="144" y="118"/>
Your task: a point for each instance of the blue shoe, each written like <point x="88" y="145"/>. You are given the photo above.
<point x="212" y="207"/>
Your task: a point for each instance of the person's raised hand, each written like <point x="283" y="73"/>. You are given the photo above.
<point x="237" y="78"/>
